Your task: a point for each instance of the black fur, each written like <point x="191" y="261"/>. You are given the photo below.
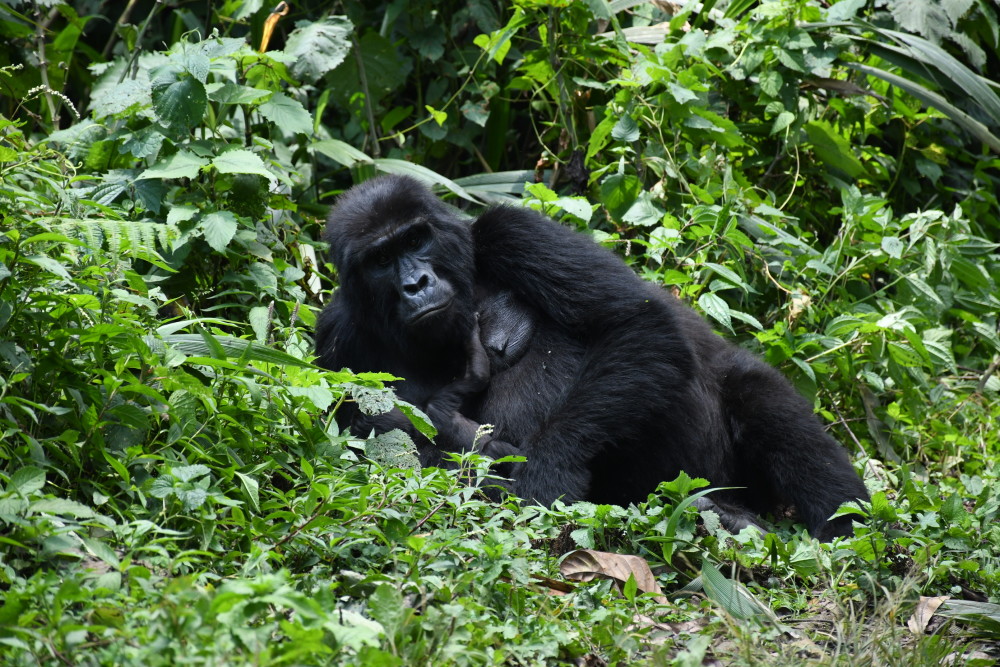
<point x="610" y="386"/>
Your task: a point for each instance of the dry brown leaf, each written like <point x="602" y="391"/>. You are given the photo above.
<point x="587" y="565"/>
<point x="923" y="613"/>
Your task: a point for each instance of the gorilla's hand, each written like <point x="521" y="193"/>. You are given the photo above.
<point x="477" y="369"/>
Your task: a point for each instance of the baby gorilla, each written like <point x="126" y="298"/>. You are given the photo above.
<point x="499" y="339"/>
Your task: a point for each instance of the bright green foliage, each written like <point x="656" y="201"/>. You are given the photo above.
<point x="818" y="179"/>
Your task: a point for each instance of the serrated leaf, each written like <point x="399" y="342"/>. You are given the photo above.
<point x="420" y="421"/>
<point x="260" y="321"/>
<point x="219" y="228"/>
<point x="318" y="46"/>
<point x="892" y="246"/>
<point x="287" y="114"/>
<point x="189" y="473"/>
<point x="180" y="105"/>
<point x="192" y="499"/>
<point x="181" y="164"/>
<point x="27" y="480"/>
<point x="372" y="401"/>
<point x="393" y="449"/>
<point x="904" y="355"/>
<point x="320" y="397"/>
<point x="242" y="161"/>
<point x="113" y="100"/>
<point x="234" y="93"/>
<point x="162" y="487"/>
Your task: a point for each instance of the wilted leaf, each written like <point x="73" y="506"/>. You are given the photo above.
<point x="394" y="449"/>
<point x="923" y="613"/>
<point x="587" y="565"/>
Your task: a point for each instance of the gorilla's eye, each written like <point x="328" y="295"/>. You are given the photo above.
<point x="382" y="259"/>
<point x="414" y="238"/>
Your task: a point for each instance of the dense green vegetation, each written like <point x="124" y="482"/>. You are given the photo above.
<point x="820" y="180"/>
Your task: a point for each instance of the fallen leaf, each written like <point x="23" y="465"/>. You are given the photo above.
<point x="587" y="565"/>
<point x="923" y="613"/>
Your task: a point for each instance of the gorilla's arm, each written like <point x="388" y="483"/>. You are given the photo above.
<point x="339" y="346"/>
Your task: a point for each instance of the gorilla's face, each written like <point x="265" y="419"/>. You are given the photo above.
<point x="405" y="260"/>
<point x="402" y="262"/>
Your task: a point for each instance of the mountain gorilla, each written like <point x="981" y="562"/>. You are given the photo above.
<point x="606" y="383"/>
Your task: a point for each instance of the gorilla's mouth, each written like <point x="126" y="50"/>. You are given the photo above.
<point x="430" y="312"/>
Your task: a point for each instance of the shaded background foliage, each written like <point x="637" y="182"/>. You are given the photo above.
<point x="820" y="181"/>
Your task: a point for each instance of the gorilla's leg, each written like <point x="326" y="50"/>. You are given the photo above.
<point x="777" y="437"/>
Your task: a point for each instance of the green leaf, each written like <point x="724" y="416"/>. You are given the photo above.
<point x="321" y="397"/>
<point x="234" y="348"/>
<point x="833" y="149"/>
<point x="319" y="46"/>
<point x="340" y="152"/>
<point x="242" y="161"/>
<point x="619" y="192"/>
<point x="219" y="228"/>
<point x="439" y="116"/>
<point x="730" y="595"/>
<point x="904" y="355"/>
<point x="771" y="82"/>
<point x="181" y="164"/>
<point x="893" y="247"/>
<point x="180" y="105"/>
<point x="103" y="551"/>
<point x="287" y="114"/>
<point x="931" y="98"/>
<point x="717" y="308"/>
<point x="189" y="473"/>
<point x="626" y="129"/>
<point x="251" y="490"/>
<point x="394" y="166"/>
<point x="644" y="211"/>
<point x="680" y="93"/>
<point x="497" y="44"/>
<point x="420" y="421"/>
<point x="233" y="93"/>
<point x="781" y="121"/>
<point x="61" y="507"/>
<point x="27" y="480"/>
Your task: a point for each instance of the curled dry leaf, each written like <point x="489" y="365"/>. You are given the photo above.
<point x="587" y="565"/>
<point x="923" y="613"/>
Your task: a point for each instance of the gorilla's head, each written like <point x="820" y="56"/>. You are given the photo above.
<point x="405" y="259"/>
